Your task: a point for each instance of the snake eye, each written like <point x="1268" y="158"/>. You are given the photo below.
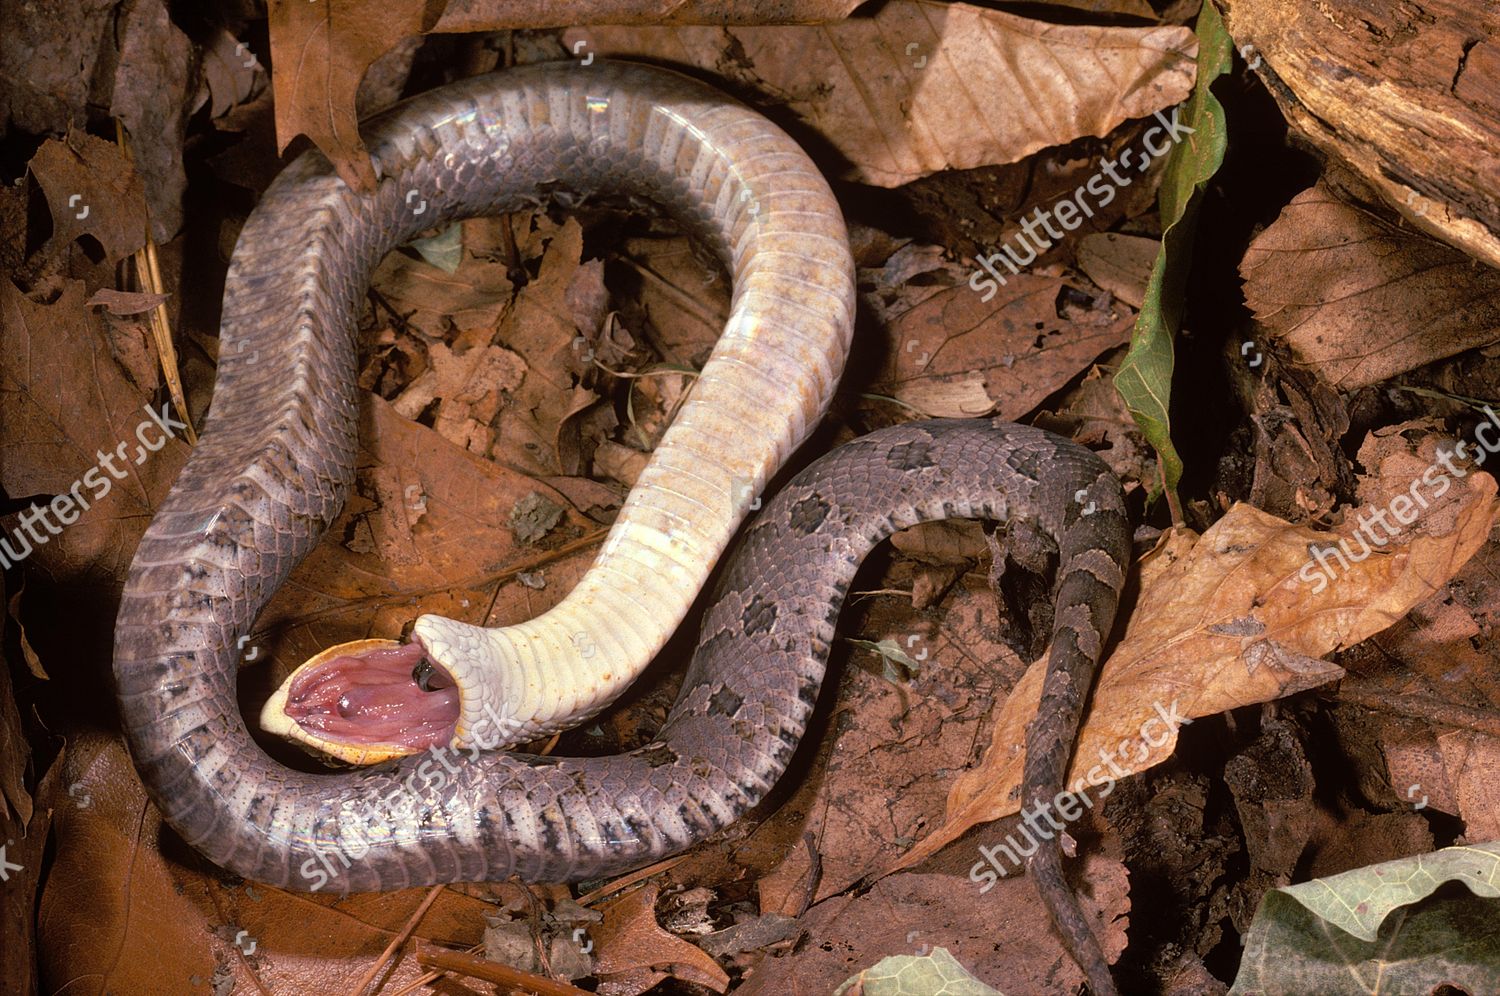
<point x="422" y="674"/>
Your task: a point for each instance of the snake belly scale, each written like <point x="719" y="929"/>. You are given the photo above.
<point x="276" y="457"/>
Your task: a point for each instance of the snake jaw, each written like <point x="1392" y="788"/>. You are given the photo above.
<point x="361" y="703"/>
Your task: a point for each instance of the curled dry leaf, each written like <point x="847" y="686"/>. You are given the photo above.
<point x="1360" y="300"/>
<point x="123" y="303"/>
<point x="1238" y="616"/>
<point x="631" y="943"/>
<point x="938" y="86"/>
<point x="91" y="190"/>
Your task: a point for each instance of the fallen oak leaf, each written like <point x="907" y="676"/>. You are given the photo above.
<point x="319" y="54"/>
<point x="91" y="189"/>
<point x="959" y="355"/>
<point x="1223" y="620"/>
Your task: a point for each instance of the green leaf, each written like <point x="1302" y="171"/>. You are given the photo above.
<point x="444" y="250"/>
<point x="1380" y="929"/>
<point x="937" y="974"/>
<point x="1145" y="377"/>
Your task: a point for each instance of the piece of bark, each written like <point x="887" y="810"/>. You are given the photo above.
<point x="1407" y="95"/>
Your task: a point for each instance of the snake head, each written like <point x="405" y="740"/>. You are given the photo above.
<point x="365" y="702"/>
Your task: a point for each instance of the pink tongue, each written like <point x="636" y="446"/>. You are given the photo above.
<point x="372" y="699"/>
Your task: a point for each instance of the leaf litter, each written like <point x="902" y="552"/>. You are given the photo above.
<point x="518" y="371"/>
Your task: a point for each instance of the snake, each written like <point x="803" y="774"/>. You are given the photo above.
<point x="275" y="461"/>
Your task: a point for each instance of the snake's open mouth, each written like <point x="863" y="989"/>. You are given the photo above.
<point x="393" y="696"/>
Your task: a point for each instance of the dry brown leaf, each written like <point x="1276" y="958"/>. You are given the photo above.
<point x="128" y="907"/>
<point x="938" y="86"/>
<point x="319" y="54"/>
<point x="91" y="190"/>
<point x="1360" y="300"/>
<point x="956" y="355"/>
<point x="69" y="405"/>
<point x="491" y="15"/>
<point x="1002" y="936"/>
<point x="1121" y="264"/>
<point x="118" y="302"/>
<point x="1430" y="683"/>
<point x="685" y="298"/>
<point x="434" y="302"/>
<point x="231" y="72"/>
<point x="1226" y="620"/>
<point x="153" y="87"/>
<point x="531" y="428"/>
<point x="24" y="839"/>
<point x="630" y="941"/>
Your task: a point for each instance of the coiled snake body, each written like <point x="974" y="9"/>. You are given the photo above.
<point x="276" y="460"/>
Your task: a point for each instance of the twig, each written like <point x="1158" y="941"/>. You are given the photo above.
<point x="627" y="880"/>
<point x="148" y="276"/>
<point x="492" y="971"/>
<point x="397" y="941"/>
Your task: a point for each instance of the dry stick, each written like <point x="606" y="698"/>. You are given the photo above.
<point x="492" y="971"/>
<point x="148" y="275"/>
<point x="628" y="880"/>
<point x="430" y="977"/>
<point x="398" y="940"/>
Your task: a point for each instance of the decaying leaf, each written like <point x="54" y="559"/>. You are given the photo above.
<point x="1237" y="616"/>
<point x="960" y="356"/>
<point x="1121" y="264"/>
<point x="936" y="974"/>
<point x="1359" y="300"/>
<point x="78" y="428"/>
<point x="92" y="190"/>
<point x="1380" y="929"/>
<point x="631" y="944"/>
<point x="917" y="87"/>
